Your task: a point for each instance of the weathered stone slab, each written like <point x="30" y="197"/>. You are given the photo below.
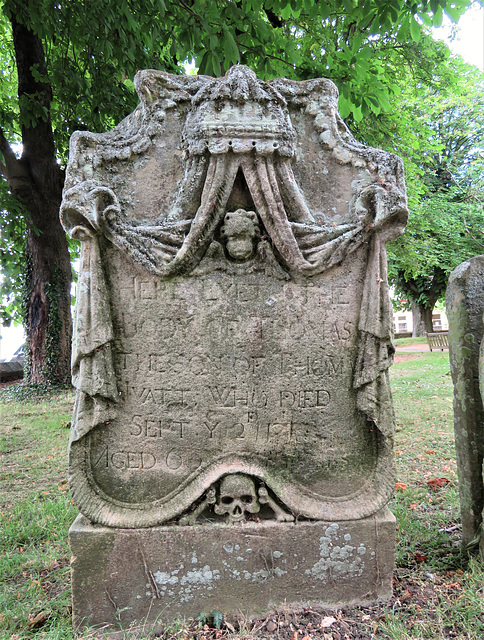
<point x="233" y="329"/>
<point x="153" y="574"/>
<point x="465" y="309"/>
<point x="11" y="370"/>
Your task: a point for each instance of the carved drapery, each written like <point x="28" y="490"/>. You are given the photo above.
<point x="178" y="246"/>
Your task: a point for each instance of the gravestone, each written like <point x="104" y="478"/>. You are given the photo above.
<point x="465" y="310"/>
<point x="231" y="446"/>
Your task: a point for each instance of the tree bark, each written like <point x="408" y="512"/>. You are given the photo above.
<point x="47" y="312"/>
<point x="36" y="179"/>
<point x="422" y="320"/>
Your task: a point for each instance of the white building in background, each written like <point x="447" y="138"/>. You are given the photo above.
<point x="403" y="321"/>
<point x="11" y="338"/>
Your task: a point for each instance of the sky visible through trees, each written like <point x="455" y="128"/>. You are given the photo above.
<point x="468" y="40"/>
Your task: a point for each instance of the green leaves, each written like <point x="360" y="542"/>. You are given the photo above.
<point x="230" y="47"/>
<point x="415" y="29"/>
<point x="434" y="119"/>
<point x="12" y="248"/>
<point x="32" y="109"/>
<point x="350" y="41"/>
<point x="210" y="64"/>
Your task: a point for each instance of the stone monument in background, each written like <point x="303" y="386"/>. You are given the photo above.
<point x="232" y="438"/>
<point x="465" y="310"/>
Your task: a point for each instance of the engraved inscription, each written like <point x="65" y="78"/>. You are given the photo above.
<point x="250" y="367"/>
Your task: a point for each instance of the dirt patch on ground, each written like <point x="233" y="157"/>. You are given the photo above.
<point x="410" y="597"/>
<point x="403" y="357"/>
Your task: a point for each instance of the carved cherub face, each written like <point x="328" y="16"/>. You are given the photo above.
<point x="240" y="231"/>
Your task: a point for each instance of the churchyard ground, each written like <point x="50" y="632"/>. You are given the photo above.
<point x="437" y="592"/>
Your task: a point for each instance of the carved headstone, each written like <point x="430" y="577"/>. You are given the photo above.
<point x="231" y="353"/>
<point x="465" y="310"/>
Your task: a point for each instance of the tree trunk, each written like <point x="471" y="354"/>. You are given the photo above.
<point x="37" y="180"/>
<point x="422" y="320"/>
<point x="47" y="312"/>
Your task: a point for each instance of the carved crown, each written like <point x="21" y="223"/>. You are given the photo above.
<point x="241" y="113"/>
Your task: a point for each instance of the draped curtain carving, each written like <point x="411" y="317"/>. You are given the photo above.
<point x="177" y="244"/>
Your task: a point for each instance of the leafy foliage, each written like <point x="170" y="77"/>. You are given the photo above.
<point x="12" y="250"/>
<point x="437" y="125"/>
<point x="441" y="234"/>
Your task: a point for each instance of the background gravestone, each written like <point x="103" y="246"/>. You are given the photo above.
<point x="465" y="310"/>
<point x="233" y="430"/>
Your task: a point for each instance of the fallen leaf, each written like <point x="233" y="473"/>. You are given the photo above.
<point x="407" y="595"/>
<point x="37" y="621"/>
<point x="413" y="506"/>
<point x="430" y="452"/>
<point x="400" y="485"/>
<point x="420" y="557"/>
<point x="452" y="585"/>
<point x="436" y="483"/>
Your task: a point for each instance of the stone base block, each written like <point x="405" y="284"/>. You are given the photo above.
<point x="143" y="576"/>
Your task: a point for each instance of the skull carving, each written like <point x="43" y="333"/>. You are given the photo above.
<point x="237" y="497"/>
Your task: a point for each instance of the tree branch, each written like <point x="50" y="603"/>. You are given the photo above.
<point x="35" y="95"/>
<point x="13" y="170"/>
<point x="9" y="163"/>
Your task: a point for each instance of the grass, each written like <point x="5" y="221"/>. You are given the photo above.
<point x="437" y="593"/>
<point x="36" y="512"/>
<point x="401" y="342"/>
<point x="426" y="502"/>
